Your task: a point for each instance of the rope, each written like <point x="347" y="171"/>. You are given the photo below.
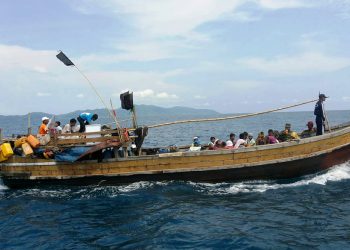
<point x="96" y="92"/>
<point x="231" y="117"/>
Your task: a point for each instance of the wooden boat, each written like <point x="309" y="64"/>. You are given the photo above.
<point x="283" y="160"/>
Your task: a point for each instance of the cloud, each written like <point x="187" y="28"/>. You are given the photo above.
<point x="14" y="57"/>
<point x="282" y="4"/>
<point x="171" y="18"/>
<point x="140" y="51"/>
<point x="42" y="94"/>
<point x="200" y="97"/>
<point x="301" y="64"/>
<point x="80" y="95"/>
<point x="346" y="98"/>
<point x="150" y="93"/>
<point x="242" y="85"/>
<point x="165" y="95"/>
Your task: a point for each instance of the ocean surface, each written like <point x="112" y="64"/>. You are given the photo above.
<point x="312" y="212"/>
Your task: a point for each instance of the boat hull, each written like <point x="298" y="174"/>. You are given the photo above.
<point x="290" y="168"/>
<point x="278" y="161"/>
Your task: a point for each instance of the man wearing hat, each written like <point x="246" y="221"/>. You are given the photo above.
<point x="43" y="130"/>
<point x="285" y="135"/>
<point x="319" y="113"/>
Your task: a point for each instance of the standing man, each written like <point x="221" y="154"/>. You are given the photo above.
<point x="319" y="113"/>
<point x="85" y="119"/>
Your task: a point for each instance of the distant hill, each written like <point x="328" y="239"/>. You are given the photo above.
<point x="145" y="114"/>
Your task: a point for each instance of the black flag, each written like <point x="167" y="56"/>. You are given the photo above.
<point x="127" y="100"/>
<point x="63" y="58"/>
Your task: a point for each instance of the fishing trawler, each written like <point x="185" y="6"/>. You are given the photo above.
<point x="80" y="159"/>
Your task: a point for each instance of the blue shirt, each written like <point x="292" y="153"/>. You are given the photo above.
<point x="86" y="117"/>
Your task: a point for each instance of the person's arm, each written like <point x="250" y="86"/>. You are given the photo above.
<point x="322" y="112"/>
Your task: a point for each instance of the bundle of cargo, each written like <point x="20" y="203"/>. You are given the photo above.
<point x="5" y="151"/>
<point x="27" y="144"/>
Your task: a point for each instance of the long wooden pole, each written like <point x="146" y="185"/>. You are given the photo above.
<point x="29" y="124"/>
<point x="0" y="135"/>
<point x="231" y="117"/>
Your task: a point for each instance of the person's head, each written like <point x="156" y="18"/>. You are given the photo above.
<point x="287" y="127"/>
<point x="261" y="134"/>
<point x="72" y="122"/>
<point x="294" y="135"/>
<point x="223" y="144"/>
<point x="250" y="136"/>
<point x="245" y="135"/>
<point x="310" y="125"/>
<point x="196" y="141"/>
<point x="212" y="139"/>
<point x="57" y="123"/>
<point x="45" y="120"/>
<point x="218" y="143"/>
<point x="232" y="136"/>
<point x="270" y="132"/>
<point x="241" y="136"/>
<point x="322" y="97"/>
<point x="94" y="117"/>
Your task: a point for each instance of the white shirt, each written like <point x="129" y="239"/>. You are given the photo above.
<point x="68" y="129"/>
<point x="239" y="143"/>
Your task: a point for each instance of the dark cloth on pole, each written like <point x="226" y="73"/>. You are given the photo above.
<point x="127" y="100"/>
<point x="319" y="113"/>
<point x="63" y="58"/>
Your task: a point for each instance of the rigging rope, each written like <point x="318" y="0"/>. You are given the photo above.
<point x="231" y="117"/>
<point x="101" y="99"/>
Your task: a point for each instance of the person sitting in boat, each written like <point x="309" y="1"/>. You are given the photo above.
<point x="250" y="140"/>
<point x="270" y="138"/>
<point x="309" y="132"/>
<point x="229" y="145"/>
<point x="294" y="136"/>
<point x="285" y="134"/>
<point x="71" y="127"/>
<point x="241" y="142"/>
<point x="217" y="144"/>
<point x="58" y="128"/>
<point x="85" y="119"/>
<point x="211" y="143"/>
<point x="260" y="140"/>
<point x="232" y="138"/>
<point x="196" y="145"/>
<point x="43" y="129"/>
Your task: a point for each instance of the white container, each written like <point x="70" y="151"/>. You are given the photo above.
<point x="93" y="128"/>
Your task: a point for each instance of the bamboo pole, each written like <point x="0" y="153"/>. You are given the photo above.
<point x="231" y="117"/>
<point x="1" y="137"/>
<point x="29" y="124"/>
<point x="134" y="120"/>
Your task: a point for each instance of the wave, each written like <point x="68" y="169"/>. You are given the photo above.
<point x="2" y="186"/>
<point x="336" y="173"/>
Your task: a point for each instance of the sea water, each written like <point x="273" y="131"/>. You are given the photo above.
<point x="308" y="212"/>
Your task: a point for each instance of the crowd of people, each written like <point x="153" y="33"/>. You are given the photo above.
<point x="246" y="139"/>
<point x="71" y="127"/>
<point x="273" y="136"/>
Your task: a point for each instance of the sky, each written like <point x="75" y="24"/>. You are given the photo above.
<point x="231" y="56"/>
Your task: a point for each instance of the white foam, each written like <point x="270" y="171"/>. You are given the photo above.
<point x="336" y="173"/>
<point x="2" y="186"/>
